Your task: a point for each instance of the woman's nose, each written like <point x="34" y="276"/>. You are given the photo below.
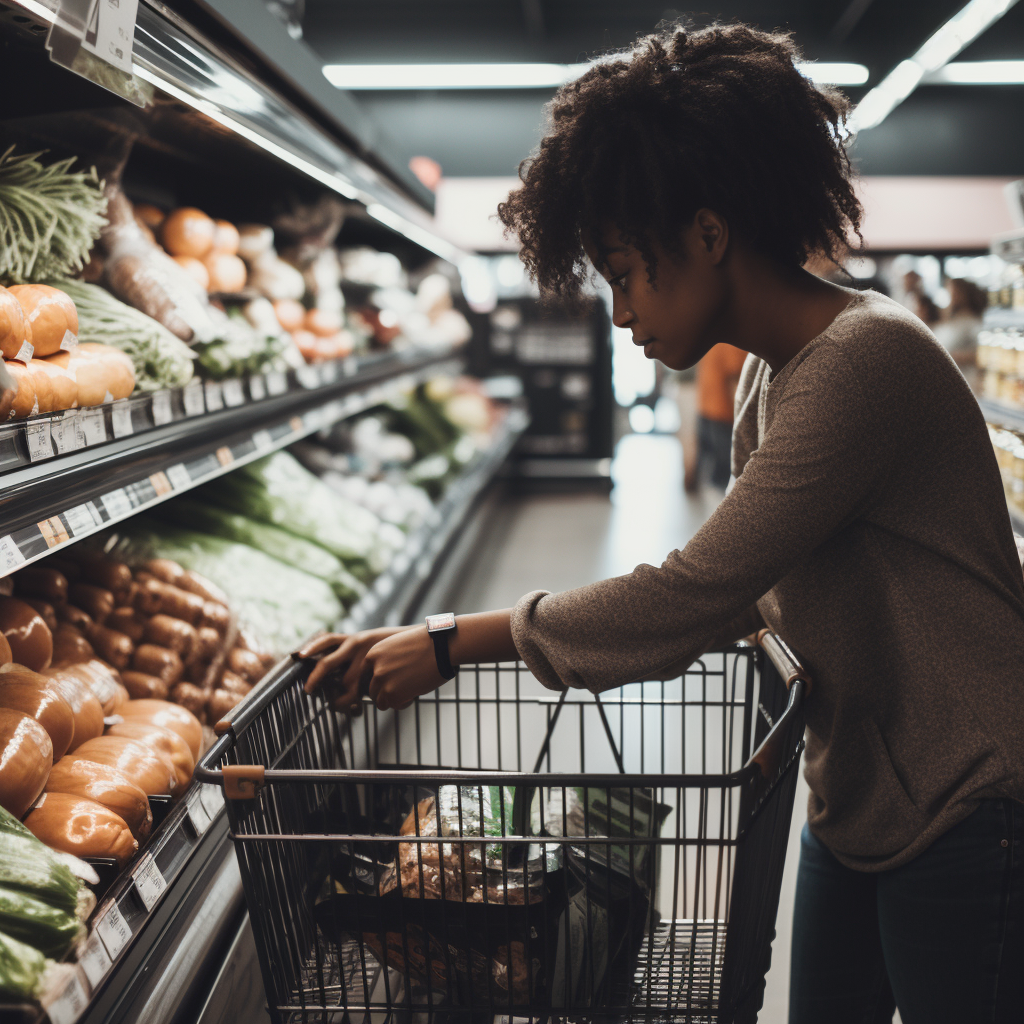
<point x="621" y="316"/>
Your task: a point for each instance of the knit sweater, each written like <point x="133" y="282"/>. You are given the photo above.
<point x="867" y="526"/>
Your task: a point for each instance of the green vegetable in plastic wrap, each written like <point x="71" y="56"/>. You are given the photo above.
<point x="22" y="969"/>
<point x="279" y="491"/>
<point x="27" y="866"/>
<point x="49" y="929"/>
<point x="296" y="552"/>
<point x="281" y="606"/>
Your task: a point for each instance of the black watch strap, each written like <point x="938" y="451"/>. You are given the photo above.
<point x="441" y="627"/>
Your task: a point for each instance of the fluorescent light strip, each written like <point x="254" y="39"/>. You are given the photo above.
<point x="960" y="31"/>
<point x="980" y="72"/>
<point x="516" y="76"/>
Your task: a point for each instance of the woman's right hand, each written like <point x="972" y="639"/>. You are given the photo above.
<point x="343" y="663"/>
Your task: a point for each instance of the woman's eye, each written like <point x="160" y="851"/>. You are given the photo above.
<point x="618" y="282"/>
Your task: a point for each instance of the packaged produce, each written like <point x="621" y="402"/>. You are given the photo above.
<point x="38" y="924"/>
<point x="164" y="741"/>
<point x="63" y="383"/>
<point x="51" y="316"/>
<point x="44" y="705"/>
<point x="150" y="770"/>
<point x="168" y="716"/>
<point x="26" y="756"/>
<point x="70" y="646"/>
<point x="83" y="702"/>
<point x="52" y="216"/>
<point x="157" y="661"/>
<point x="30" y="640"/>
<point x="24" y="971"/>
<point x="81" y="827"/>
<point x="24" y="402"/>
<point x="80" y="777"/>
<point x="14" y="329"/>
<point x="42" y="582"/>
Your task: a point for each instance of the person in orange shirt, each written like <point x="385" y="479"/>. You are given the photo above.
<point x="718" y="374"/>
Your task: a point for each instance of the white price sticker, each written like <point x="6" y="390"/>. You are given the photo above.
<point x="257" y="387"/>
<point x="121" y="416"/>
<point x="66" y="434"/>
<point x="37" y="437"/>
<point x="70" y="1004"/>
<point x="262" y="440"/>
<point x="162" y="408"/>
<point x="233" y="393"/>
<point x="81" y="519"/>
<point x="178" y="475"/>
<point x="192" y="398"/>
<point x="118" y="504"/>
<point x="214" y="396"/>
<point x="26" y="352"/>
<point x="213" y="800"/>
<point x="10" y="554"/>
<point x="94" y="426"/>
<point x="149" y="883"/>
<point x="114" y="930"/>
<point x="110" y="33"/>
<point x="69" y="342"/>
<point x="197" y="813"/>
<point x="94" y="960"/>
<point x="277" y="382"/>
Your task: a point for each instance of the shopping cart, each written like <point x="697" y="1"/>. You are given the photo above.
<point x="501" y="852"/>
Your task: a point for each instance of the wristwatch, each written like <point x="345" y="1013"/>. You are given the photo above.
<point x="441" y="628"/>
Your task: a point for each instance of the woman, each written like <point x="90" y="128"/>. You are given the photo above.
<point x="958" y="331"/>
<point x="867" y="523"/>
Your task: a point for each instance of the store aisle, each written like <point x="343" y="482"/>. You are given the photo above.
<point x="555" y="542"/>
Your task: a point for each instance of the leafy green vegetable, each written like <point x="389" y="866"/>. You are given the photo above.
<point x="49" y="929"/>
<point x="240" y="348"/>
<point x="26" y="866"/>
<point x="160" y="359"/>
<point x="296" y="552"/>
<point x="49" y="217"/>
<point x="22" y="969"/>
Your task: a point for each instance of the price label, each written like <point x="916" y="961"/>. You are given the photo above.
<point x="53" y="530"/>
<point x="161" y="484"/>
<point x="70" y="1004"/>
<point x="214" y="396"/>
<point x="162" y="408"/>
<point x="262" y="440"/>
<point x="37" y="437"/>
<point x="225" y="456"/>
<point x="149" y="883"/>
<point x="94" y="960"/>
<point x="233" y="393"/>
<point x="114" y="930"/>
<point x="80" y="519"/>
<point x="277" y="382"/>
<point x="178" y="475"/>
<point x="213" y="800"/>
<point x="110" y="33"/>
<point x="65" y="434"/>
<point x="117" y="503"/>
<point x="10" y="554"/>
<point x="192" y="398"/>
<point x="121" y="417"/>
<point x="257" y="387"/>
<point x="94" y="426"/>
<point x="197" y="813"/>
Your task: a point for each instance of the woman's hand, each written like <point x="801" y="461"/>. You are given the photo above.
<point x="402" y="667"/>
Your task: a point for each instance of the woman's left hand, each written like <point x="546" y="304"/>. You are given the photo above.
<point x="404" y="667"/>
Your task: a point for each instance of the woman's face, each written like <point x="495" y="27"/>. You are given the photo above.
<point x="679" y="316"/>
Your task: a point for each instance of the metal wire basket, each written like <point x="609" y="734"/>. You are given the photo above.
<point x="497" y="851"/>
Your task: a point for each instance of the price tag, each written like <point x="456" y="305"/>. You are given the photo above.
<point x="161" y="484"/>
<point x="178" y="475"/>
<point x="121" y="416"/>
<point x="118" y="504"/>
<point x="66" y="435"/>
<point x="114" y="930"/>
<point x="214" y="396"/>
<point x="94" y="960"/>
<point x="225" y="456"/>
<point x="80" y="519"/>
<point x="110" y="33"/>
<point x="162" y="408"/>
<point x="10" y="554"/>
<point x="70" y="1004"/>
<point x="262" y="440"/>
<point x="192" y="398"/>
<point x="197" y="813"/>
<point x="94" y="426"/>
<point x="54" y="532"/>
<point x="257" y="387"/>
<point x="233" y="393"/>
<point x="277" y="382"/>
<point x="213" y="800"/>
<point x="37" y="437"/>
<point x="149" y="883"/>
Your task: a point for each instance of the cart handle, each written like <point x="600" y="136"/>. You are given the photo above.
<point x="783" y="659"/>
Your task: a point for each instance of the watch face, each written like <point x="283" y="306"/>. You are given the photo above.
<point x="436" y="623"/>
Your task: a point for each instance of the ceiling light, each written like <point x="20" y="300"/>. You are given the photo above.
<point x="835" y="74"/>
<point x="939" y="49"/>
<point x="980" y="72"/>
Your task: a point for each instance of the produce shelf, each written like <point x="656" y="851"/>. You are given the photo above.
<point x="59" y="499"/>
<point x="998" y="317"/>
<point x="1002" y="415"/>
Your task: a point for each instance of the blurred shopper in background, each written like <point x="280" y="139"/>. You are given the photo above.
<point x="718" y="376"/>
<point x="958" y="330"/>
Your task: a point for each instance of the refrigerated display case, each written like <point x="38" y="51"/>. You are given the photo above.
<point x="235" y="115"/>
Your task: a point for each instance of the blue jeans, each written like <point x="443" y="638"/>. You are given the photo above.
<point x="942" y="937"/>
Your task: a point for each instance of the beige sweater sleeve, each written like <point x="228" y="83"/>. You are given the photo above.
<point x="818" y="467"/>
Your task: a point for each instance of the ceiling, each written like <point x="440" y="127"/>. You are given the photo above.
<point x="945" y="130"/>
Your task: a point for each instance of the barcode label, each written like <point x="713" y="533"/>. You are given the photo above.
<point x="70" y="1004"/>
<point x="192" y="398"/>
<point x="257" y="387"/>
<point x="117" y="503"/>
<point x="37" y="437"/>
<point x="178" y="475"/>
<point x="10" y="554"/>
<point x="277" y="382"/>
<point x="94" y="960"/>
<point x="262" y="440"/>
<point x="93" y="426"/>
<point x="233" y="393"/>
<point x="121" y="416"/>
<point x="114" y="930"/>
<point x="197" y="813"/>
<point x="65" y="434"/>
<point x="69" y="342"/>
<point x="80" y="519"/>
<point x="149" y="883"/>
<point x="162" y="408"/>
<point x="214" y="396"/>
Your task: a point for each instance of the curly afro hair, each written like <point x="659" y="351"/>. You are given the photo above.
<point x="718" y="118"/>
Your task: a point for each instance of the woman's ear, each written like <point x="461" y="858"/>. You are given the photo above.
<point x="713" y="232"/>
